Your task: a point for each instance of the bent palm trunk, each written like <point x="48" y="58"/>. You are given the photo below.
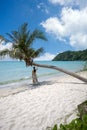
<point x="62" y="70"/>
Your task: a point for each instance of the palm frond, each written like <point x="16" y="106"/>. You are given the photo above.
<point x="1" y="38"/>
<point x="16" y="54"/>
<point x="36" y="35"/>
<point x="4" y="52"/>
<point x="12" y="39"/>
<point x="23" y="29"/>
<point x="40" y="35"/>
<point x="37" y="52"/>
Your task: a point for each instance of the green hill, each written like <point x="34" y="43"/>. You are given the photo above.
<point x="72" y="56"/>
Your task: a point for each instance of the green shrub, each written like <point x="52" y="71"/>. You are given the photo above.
<point x="76" y="124"/>
<point x="79" y="123"/>
<point x="82" y="108"/>
<point x="55" y="127"/>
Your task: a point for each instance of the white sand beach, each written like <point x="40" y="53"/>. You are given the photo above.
<point x="54" y="101"/>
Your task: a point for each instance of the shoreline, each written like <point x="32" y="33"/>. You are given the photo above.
<point x="53" y="101"/>
<point x="17" y="87"/>
<point x="41" y="77"/>
<point x="18" y="72"/>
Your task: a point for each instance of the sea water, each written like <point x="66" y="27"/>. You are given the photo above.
<point x="15" y="71"/>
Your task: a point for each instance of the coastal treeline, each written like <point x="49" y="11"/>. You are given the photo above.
<point x="72" y="56"/>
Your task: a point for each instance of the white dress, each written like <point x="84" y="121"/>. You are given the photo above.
<point x="34" y="77"/>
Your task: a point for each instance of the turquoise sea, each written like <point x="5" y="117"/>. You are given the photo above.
<point x="15" y="71"/>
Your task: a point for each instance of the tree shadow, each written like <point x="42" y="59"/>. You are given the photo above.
<point x="64" y="82"/>
<point x="40" y="84"/>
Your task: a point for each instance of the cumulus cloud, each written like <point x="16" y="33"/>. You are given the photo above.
<point x="45" y="57"/>
<point x="4" y="46"/>
<point x="72" y="24"/>
<point x="79" y="41"/>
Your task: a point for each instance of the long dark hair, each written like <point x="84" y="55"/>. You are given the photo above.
<point x="34" y="69"/>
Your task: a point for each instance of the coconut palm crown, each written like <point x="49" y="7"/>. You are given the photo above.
<point x="22" y="40"/>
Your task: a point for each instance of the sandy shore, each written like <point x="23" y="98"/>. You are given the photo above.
<point x="54" y="101"/>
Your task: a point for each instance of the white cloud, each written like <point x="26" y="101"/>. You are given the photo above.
<point x="79" y="41"/>
<point x="4" y="46"/>
<point x="43" y="7"/>
<point x="72" y="24"/>
<point x="53" y="25"/>
<point x="79" y="3"/>
<point x="64" y="2"/>
<point x="45" y="57"/>
<point x="46" y="10"/>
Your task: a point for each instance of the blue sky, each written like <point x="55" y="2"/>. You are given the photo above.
<point x="64" y="23"/>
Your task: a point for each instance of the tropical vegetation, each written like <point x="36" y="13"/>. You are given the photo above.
<point x="22" y="48"/>
<point x="76" y="124"/>
<point x="71" y="56"/>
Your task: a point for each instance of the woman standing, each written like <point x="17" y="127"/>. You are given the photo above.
<point x="34" y="76"/>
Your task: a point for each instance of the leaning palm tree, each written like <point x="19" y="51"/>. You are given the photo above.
<point x="22" y="49"/>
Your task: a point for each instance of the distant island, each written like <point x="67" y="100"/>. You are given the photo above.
<point x="72" y="56"/>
